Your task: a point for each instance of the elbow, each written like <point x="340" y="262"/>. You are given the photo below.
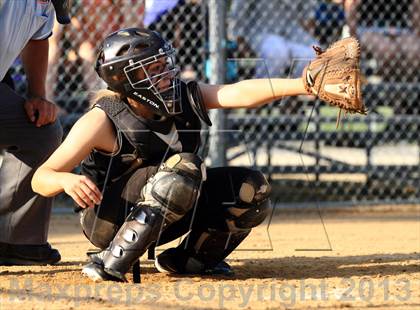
<point x="36" y="184"/>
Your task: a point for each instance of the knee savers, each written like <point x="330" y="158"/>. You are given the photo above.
<point x="253" y="203"/>
<point x="175" y="187"/>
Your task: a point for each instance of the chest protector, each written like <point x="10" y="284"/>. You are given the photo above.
<point x="142" y="141"/>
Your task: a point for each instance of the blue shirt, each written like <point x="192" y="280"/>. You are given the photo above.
<point x="21" y="21"/>
<point x="156" y="8"/>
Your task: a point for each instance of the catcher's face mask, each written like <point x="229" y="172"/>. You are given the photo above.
<point x="139" y="64"/>
<point x="154" y="82"/>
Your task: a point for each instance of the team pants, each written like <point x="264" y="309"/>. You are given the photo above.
<point x="24" y="215"/>
<point x="219" y="193"/>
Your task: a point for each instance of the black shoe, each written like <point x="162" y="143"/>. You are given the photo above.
<point x="18" y="254"/>
<point x="176" y="261"/>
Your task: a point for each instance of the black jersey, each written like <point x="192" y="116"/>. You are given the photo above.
<point x="142" y="142"/>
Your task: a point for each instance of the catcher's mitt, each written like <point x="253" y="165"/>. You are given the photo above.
<point x="334" y="76"/>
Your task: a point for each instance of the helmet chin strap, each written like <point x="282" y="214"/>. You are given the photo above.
<point x="162" y="105"/>
<point x="145" y="111"/>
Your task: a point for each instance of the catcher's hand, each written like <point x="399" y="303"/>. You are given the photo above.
<point x="334" y="76"/>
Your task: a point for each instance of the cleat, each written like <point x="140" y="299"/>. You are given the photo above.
<point x="221" y="268"/>
<point x="175" y="261"/>
<point x="97" y="273"/>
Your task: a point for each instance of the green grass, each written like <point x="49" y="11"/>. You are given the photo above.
<point x="349" y="122"/>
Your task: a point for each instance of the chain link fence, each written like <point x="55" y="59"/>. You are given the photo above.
<point x="373" y="158"/>
<point x="295" y="141"/>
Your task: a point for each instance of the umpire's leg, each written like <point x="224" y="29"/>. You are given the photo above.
<point x="24" y="215"/>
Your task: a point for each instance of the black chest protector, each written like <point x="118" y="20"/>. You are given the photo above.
<point x="141" y="141"/>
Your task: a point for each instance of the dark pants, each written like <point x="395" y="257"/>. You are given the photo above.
<point x="24" y="215"/>
<point x="219" y="193"/>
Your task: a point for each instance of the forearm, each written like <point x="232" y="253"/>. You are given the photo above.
<point x="257" y="92"/>
<point x="48" y="182"/>
<point x="35" y="63"/>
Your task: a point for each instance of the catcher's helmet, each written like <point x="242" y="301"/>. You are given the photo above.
<point x="140" y="64"/>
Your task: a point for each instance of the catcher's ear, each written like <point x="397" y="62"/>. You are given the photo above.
<point x="119" y="77"/>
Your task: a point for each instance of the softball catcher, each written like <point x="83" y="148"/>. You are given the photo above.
<point x="142" y="182"/>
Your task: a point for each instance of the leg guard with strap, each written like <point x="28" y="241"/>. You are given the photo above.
<point x="166" y="197"/>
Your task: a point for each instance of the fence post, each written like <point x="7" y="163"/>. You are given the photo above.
<point x="217" y="44"/>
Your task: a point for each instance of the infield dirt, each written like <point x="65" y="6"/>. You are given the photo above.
<point x="353" y="259"/>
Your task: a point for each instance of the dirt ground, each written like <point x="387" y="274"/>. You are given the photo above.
<point x="356" y="259"/>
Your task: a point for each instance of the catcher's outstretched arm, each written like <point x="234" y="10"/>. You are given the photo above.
<point x="250" y="93"/>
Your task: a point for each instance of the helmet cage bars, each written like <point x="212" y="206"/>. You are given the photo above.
<point x="143" y="82"/>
